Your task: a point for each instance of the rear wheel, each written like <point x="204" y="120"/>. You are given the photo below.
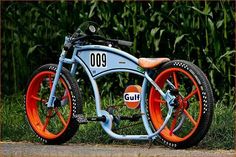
<point x="194" y="104"/>
<point x="58" y="124"/>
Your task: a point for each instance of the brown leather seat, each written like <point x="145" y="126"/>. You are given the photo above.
<point x="149" y="63"/>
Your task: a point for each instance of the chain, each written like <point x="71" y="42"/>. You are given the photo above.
<point x="115" y="107"/>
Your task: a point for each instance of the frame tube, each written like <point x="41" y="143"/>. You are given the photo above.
<point x="75" y="60"/>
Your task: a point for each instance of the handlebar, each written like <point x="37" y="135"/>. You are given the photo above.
<point x="125" y="43"/>
<point x="68" y="46"/>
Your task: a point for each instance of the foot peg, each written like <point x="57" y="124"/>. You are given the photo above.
<point x="98" y="119"/>
<point x="81" y="119"/>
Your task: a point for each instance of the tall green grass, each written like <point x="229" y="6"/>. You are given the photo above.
<point x="15" y="127"/>
<point x="222" y="131"/>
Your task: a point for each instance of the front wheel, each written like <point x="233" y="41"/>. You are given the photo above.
<point x="58" y="124"/>
<point x="193" y="110"/>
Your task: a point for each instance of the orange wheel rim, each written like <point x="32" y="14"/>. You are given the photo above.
<point x="52" y="123"/>
<point x="157" y="105"/>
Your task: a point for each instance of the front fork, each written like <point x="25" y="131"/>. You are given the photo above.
<point x="52" y="97"/>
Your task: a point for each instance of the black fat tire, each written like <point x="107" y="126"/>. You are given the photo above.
<point x="76" y="104"/>
<point x="207" y="96"/>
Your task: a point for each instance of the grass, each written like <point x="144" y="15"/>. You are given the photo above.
<point x="15" y="127"/>
<point x="222" y="130"/>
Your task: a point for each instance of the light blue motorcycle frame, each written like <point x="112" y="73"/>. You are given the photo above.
<point x="115" y="61"/>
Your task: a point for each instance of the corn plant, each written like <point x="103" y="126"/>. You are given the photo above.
<point x="199" y="31"/>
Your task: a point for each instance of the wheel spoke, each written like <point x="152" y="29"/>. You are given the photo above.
<point x="190" y="95"/>
<point x="46" y="123"/>
<point x="175" y="80"/>
<point x="60" y="117"/>
<point x="66" y="95"/>
<point x="159" y="101"/>
<point x="190" y="117"/>
<point x="174" y="121"/>
<point x="38" y="99"/>
<point x="50" y="81"/>
<point x="48" y="117"/>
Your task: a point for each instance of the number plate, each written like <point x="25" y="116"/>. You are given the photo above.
<point x="98" y="59"/>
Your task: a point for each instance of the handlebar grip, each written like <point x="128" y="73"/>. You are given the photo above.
<point x="125" y="43"/>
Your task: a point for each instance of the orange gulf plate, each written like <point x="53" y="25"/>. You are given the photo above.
<point x="132" y="96"/>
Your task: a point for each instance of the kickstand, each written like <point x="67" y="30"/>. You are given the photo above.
<point x="150" y="143"/>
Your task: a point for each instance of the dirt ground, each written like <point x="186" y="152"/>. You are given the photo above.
<point x="21" y="149"/>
